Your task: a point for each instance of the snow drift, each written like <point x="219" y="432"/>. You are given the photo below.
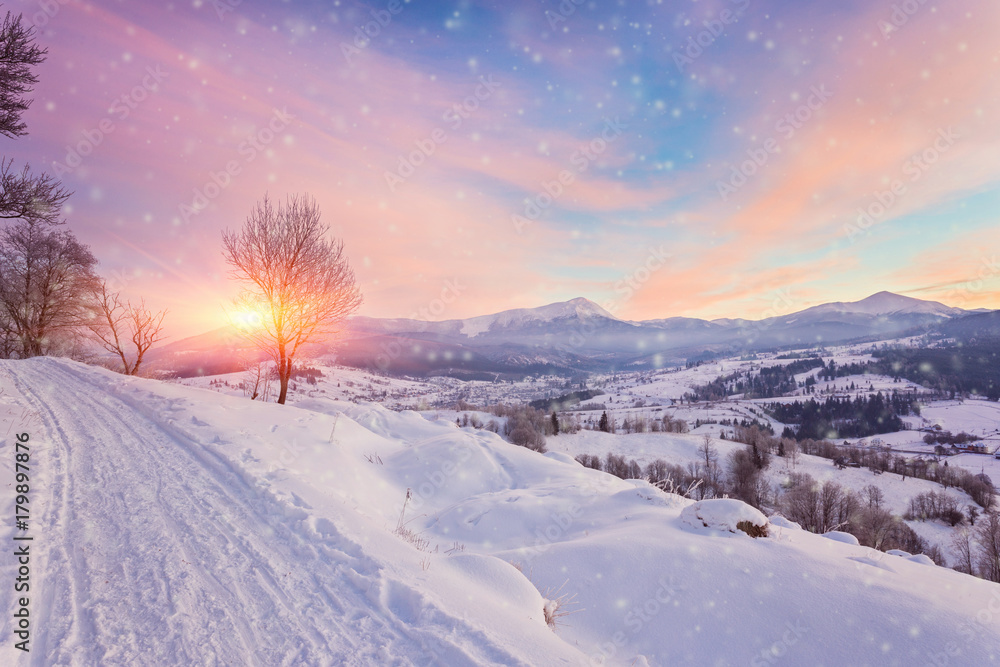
<point x="179" y="526"/>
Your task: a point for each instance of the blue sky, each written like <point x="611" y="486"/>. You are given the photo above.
<point x="741" y="138"/>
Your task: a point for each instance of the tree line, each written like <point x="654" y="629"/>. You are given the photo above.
<point x="957" y="371"/>
<point x="821" y="508"/>
<point x="52" y="301"/>
<point x="767" y="382"/>
<point x="845" y="417"/>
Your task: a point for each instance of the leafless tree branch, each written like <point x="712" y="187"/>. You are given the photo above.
<point x="300" y="281"/>
<point x="119" y="323"/>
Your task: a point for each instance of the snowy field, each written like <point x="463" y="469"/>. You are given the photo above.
<point x="977" y="417"/>
<point x="682" y="449"/>
<point x="176" y="525"/>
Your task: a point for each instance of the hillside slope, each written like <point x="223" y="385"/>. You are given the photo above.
<point x="177" y="526"/>
<point x="155" y="547"/>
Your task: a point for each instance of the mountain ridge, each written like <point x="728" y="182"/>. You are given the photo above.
<point x="580" y="335"/>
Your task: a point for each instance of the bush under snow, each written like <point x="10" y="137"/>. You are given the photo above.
<point x="726" y="514"/>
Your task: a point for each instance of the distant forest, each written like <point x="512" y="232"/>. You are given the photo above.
<point x="956" y="371"/>
<point x="969" y="369"/>
<point x="845" y="417"/>
<point x="769" y="382"/>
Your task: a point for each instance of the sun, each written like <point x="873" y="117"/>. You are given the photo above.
<point x="246" y="320"/>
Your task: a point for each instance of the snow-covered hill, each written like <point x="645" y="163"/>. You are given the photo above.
<point x="886" y="303"/>
<point x="575" y="310"/>
<point x="174" y="525"/>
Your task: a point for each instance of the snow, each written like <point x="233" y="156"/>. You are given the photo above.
<point x="782" y="522"/>
<point x="722" y="514"/>
<point x="574" y="308"/>
<point x="977" y="417"/>
<point x="178" y="525"/>
<point x="840" y="536"/>
<point x="682" y="449"/>
<point x="887" y="303"/>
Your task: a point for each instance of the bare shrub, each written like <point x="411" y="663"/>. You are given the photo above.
<point x="752" y="529"/>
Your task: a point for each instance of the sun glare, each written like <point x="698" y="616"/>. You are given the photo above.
<point x="246" y="320"/>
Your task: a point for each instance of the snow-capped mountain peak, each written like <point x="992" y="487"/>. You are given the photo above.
<point x="886" y="303"/>
<point x="578" y="308"/>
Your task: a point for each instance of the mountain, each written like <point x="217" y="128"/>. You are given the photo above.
<point x="580" y="335"/>
<point x="577" y="335"/>
<point x="556" y="316"/>
<point x="886" y="303"/>
<point x="578" y="310"/>
<point x="979" y="327"/>
<point x="882" y="315"/>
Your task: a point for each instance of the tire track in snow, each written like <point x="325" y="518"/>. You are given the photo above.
<point x="165" y="554"/>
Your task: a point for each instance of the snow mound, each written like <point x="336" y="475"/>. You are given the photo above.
<point x="782" y="522"/>
<point x="510" y="588"/>
<point x="559" y="456"/>
<point x="923" y="559"/>
<point x="840" y="536"/>
<point x="722" y="514"/>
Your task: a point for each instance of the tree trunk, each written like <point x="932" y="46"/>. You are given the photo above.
<point x="284" y="375"/>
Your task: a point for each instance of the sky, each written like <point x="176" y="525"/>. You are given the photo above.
<point x="710" y="158"/>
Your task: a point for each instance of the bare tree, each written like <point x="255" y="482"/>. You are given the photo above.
<point x="46" y="276"/>
<point x="745" y="478"/>
<point x="23" y="195"/>
<point x="125" y="329"/>
<point x="299" y="281"/>
<point x="964" y="547"/>
<point x="875" y="527"/>
<point x="256" y="382"/>
<point x="8" y="337"/>
<point x="873" y="496"/>
<point x="707" y="451"/>
<point x="791" y="450"/>
<point x="988" y="554"/>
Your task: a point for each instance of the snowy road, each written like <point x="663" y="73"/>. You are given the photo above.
<point x="156" y="551"/>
